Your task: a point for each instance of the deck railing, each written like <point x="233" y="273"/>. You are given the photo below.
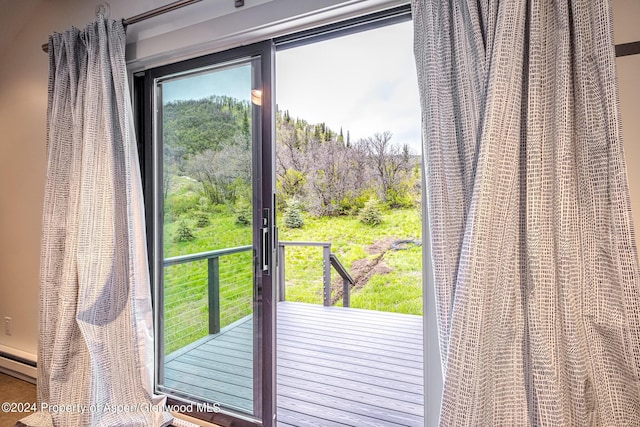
<point x="329" y="260"/>
<point x="187" y="287"/>
<point x="213" y="278"/>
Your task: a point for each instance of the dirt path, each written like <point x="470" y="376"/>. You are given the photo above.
<point x="363" y="269"/>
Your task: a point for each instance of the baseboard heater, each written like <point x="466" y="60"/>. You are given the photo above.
<point x="18" y="366"/>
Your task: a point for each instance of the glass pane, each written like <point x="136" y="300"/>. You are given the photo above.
<point x="348" y="164"/>
<point x="207" y="129"/>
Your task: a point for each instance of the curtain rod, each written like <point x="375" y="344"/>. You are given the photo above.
<point x="155" y="12"/>
<point x="621" y="49"/>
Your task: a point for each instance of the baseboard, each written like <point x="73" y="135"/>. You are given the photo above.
<point x="18" y="364"/>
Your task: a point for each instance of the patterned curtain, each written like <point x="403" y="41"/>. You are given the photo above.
<point x="95" y="357"/>
<point x="535" y="265"/>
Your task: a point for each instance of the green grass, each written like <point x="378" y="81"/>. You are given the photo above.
<point x="186" y="301"/>
<point x="350" y="239"/>
<point x="186" y="304"/>
<point x="220" y="234"/>
<point x="400" y="290"/>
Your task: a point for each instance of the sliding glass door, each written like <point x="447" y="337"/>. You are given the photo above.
<point x="213" y="233"/>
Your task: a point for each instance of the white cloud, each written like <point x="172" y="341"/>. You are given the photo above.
<point x="364" y="83"/>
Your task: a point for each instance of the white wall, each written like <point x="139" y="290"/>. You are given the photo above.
<point x="23" y="109"/>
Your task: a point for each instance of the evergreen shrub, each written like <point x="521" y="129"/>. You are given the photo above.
<point x="202" y="219"/>
<point x="293" y="214"/>
<point x="243" y="212"/>
<point x="184" y="233"/>
<point x="371" y="214"/>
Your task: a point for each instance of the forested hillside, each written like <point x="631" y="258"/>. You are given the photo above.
<point x="207" y="162"/>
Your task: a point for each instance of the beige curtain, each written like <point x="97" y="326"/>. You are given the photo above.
<point x="536" y="271"/>
<point x="95" y="358"/>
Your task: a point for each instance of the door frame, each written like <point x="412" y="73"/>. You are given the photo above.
<point x="264" y="234"/>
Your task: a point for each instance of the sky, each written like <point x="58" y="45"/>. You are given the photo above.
<point x="234" y="81"/>
<point x="363" y="83"/>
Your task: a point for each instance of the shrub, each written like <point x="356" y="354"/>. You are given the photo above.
<point x="293" y="214"/>
<point x="183" y="233"/>
<point x="400" y="199"/>
<point x="243" y="212"/>
<point x="202" y="219"/>
<point x="371" y="214"/>
<point x="204" y="204"/>
<point x="292" y="183"/>
<point x="179" y="204"/>
<point x="220" y="209"/>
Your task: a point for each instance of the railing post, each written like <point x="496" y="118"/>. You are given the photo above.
<point x="213" y="279"/>
<point x="346" y="289"/>
<point x="281" y="290"/>
<point x="326" y="264"/>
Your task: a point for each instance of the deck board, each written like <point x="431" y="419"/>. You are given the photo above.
<point x="336" y="367"/>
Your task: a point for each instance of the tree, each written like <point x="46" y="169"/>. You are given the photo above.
<point x="209" y="123"/>
<point x="222" y="173"/>
<point x="332" y="178"/>
<point x="391" y="163"/>
<point x="293" y="214"/>
<point x="173" y="164"/>
<point x="246" y="124"/>
<point x="183" y="233"/>
<point x="371" y="214"/>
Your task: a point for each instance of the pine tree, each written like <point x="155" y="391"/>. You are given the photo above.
<point x="293" y="214"/>
<point x="371" y="214"/>
<point x="246" y="131"/>
<point x="183" y="233"/>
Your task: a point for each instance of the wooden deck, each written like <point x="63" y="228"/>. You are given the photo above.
<point x="336" y="367"/>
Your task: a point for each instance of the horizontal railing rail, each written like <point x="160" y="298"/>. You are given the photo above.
<point x="329" y="260"/>
<point x="204" y="255"/>
<point x="324" y="244"/>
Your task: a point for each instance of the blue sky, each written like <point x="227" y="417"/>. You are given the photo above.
<point x="233" y="81"/>
<point x="364" y="83"/>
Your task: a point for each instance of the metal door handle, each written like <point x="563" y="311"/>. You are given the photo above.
<point x="265" y="249"/>
<point x="266" y="241"/>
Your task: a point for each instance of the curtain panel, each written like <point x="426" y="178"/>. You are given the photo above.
<point x="95" y="357"/>
<point x="535" y="264"/>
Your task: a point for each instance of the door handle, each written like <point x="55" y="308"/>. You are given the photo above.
<point x="266" y="242"/>
<point x="265" y="249"/>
